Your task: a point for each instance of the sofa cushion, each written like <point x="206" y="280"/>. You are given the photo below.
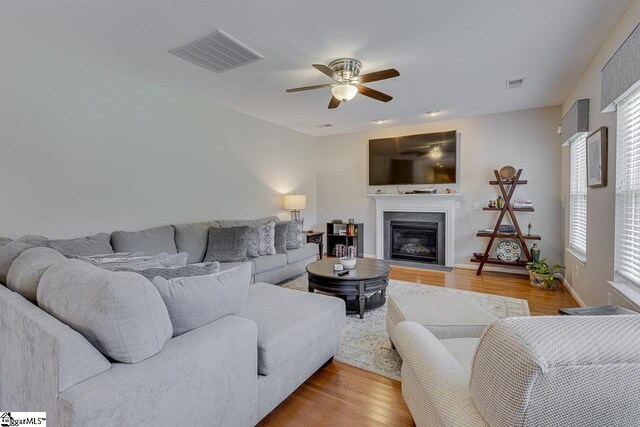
<point x="121" y="314"/>
<point x="462" y="349"/>
<point x="280" y="240"/>
<point x="227" y="244"/>
<point x="4" y="241"/>
<point x="306" y="251"/>
<point x="27" y="270"/>
<point x="224" y="266"/>
<point x="8" y="254"/>
<point x="189" y="270"/>
<point x="33" y="240"/>
<point x="193" y="302"/>
<point x="91" y="245"/>
<point x="134" y="260"/>
<point x="444" y="316"/>
<point x="151" y="241"/>
<point x="295" y="237"/>
<point x="193" y="238"/>
<point x="269" y="262"/>
<point x="289" y="322"/>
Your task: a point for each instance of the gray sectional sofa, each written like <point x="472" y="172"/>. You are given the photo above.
<point x="230" y="372"/>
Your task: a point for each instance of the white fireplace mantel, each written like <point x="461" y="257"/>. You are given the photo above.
<point x="437" y="203"/>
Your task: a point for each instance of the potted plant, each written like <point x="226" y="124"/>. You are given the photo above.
<point x="542" y="275"/>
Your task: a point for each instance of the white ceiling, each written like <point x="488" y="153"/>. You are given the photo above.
<point x="453" y="55"/>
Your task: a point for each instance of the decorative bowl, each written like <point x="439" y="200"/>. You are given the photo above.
<point x="348" y="262"/>
<point x="507" y="173"/>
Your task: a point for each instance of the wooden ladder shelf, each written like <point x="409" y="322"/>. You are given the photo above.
<point x="507" y="189"/>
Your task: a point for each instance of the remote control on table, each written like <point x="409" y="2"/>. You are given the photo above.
<point x="342" y="273"/>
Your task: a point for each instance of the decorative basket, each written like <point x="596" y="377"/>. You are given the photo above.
<point x="544" y="281"/>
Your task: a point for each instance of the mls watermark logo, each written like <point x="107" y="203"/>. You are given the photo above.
<point x="10" y="419"/>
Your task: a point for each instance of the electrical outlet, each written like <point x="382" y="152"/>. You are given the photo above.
<point x="476" y="206"/>
<point x="457" y="205"/>
<point x="608" y="298"/>
<point x="577" y="271"/>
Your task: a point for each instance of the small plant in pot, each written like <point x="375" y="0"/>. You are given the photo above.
<point x="542" y="275"/>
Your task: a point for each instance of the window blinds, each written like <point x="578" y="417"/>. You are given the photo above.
<point x="578" y="196"/>
<point x="627" y="234"/>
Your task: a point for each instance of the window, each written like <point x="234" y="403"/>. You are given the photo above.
<point x="627" y="252"/>
<point x="578" y="196"/>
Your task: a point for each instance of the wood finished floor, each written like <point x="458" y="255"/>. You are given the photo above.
<point x="343" y="395"/>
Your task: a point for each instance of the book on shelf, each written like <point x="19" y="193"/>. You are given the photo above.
<point x="522" y="203"/>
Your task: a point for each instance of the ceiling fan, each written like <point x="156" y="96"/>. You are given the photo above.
<point x="349" y="82"/>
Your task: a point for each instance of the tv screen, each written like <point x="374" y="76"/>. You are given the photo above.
<point x="428" y="158"/>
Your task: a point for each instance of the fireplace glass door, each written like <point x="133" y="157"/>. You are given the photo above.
<point x="414" y="241"/>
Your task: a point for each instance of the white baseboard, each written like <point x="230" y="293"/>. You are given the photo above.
<point x="572" y="292"/>
<point x="493" y="269"/>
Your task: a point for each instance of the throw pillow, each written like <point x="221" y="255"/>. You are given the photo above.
<point x="266" y="241"/>
<point x="8" y="254"/>
<point x="91" y="245"/>
<point x="121" y="314"/>
<point x="151" y="241"/>
<point x="295" y="237"/>
<point x="253" y="238"/>
<point x="199" y="269"/>
<point x="280" y="240"/>
<point x="27" y="270"/>
<point x="115" y="261"/>
<point x="4" y="241"/>
<point x="193" y="302"/>
<point x="227" y="244"/>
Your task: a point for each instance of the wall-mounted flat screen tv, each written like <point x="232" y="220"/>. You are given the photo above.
<point x="428" y="158"/>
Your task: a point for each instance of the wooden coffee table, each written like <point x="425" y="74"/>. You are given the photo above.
<point x="363" y="289"/>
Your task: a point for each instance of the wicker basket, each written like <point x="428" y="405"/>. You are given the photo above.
<point x="544" y="281"/>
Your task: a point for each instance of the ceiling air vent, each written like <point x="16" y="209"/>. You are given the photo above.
<point x="514" y="84"/>
<point x="217" y="52"/>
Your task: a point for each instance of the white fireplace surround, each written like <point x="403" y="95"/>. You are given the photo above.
<point x="430" y="203"/>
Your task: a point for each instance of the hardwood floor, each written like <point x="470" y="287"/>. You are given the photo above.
<point x="343" y="395"/>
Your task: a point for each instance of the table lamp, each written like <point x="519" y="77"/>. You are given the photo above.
<point x="294" y="203"/>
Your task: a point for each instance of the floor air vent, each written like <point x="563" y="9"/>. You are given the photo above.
<point x="217" y="52"/>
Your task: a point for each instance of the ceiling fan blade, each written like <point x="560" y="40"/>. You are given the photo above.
<point x="334" y="103"/>
<point x="378" y="75"/>
<point x="372" y="93"/>
<point x="326" y="70"/>
<point x="300" y="89"/>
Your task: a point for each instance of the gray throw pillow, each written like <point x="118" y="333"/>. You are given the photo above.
<point x="4" y="241"/>
<point x="295" y="237"/>
<point x="121" y="314"/>
<point x="116" y="261"/>
<point x="193" y="302"/>
<point x="189" y="270"/>
<point x="227" y="244"/>
<point x="253" y="238"/>
<point x="151" y="241"/>
<point x="91" y="245"/>
<point x="8" y="254"/>
<point x="266" y="239"/>
<point x="27" y="270"/>
<point x="280" y="240"/>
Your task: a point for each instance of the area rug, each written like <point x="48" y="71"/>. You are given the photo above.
<point x="365" y="343"/>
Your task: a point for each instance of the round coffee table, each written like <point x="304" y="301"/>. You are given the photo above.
<point x="363" y="288"/>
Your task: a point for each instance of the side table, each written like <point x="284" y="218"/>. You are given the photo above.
<point x="316" y="237"/>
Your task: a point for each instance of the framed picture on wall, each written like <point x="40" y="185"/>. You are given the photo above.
<point x="597" y="158"/>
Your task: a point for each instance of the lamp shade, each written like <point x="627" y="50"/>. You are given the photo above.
<point x="344" y="91"/>
<point x="295" y="201"/>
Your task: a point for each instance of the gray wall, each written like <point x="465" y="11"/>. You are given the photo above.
<point x="589" y="280"/>
<point x="525" y="139"/>
<point x="86" y="149"/>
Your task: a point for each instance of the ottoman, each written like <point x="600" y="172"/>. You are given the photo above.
<point x="445" y="317"/>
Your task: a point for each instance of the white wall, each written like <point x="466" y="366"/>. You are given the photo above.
<point x="525" y="139"/>
<point x="589" y="280"/>
<point x="85" y="149"/>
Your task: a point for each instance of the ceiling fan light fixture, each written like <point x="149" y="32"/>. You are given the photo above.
<point x="344" y="91"/>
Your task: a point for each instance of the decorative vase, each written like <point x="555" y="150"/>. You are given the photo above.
<point x="535" y="253"/>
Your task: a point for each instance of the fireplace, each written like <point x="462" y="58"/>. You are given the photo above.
<point x="416" y="238"/>
<point x="414" y="241"/>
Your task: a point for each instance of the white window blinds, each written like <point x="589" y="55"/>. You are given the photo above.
<point x="627" y="252"/>
<point x="578" y="196"/>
